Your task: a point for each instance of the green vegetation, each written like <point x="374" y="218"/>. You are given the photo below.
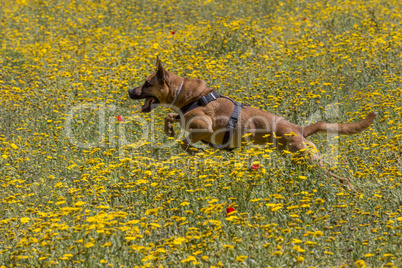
<point x="81" y="187"/>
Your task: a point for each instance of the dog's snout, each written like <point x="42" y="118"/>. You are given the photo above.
<point x="132" y="93"/>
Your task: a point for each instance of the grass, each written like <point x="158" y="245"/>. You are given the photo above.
<point x="75" y="193"/>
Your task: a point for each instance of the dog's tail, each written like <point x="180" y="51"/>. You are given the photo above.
<point x="342" y="128"/>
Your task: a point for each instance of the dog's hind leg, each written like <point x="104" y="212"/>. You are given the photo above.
<point x="200" y="128"/>
<point x="170" y="118"/>
<point x="307" y="148"/>
<point x="186" y="146"/>
<point x="315" y="159"/>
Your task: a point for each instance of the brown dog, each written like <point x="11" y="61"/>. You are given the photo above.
<point x="209" y="122"/>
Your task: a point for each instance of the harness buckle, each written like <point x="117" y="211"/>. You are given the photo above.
<point x="232" y="124"/>
<point x="204" y="100"/>
<point x="208" y="98"/>
<point x="213" y="93"/>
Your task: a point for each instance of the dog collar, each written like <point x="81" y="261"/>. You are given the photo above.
<point x="178" y="92"/>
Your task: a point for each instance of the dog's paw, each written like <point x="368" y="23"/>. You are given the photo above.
<point x="169" y="130"/>
<point x="194" y="150"/>
<point x="199" y="151"/>
<point x="169" y="119"/>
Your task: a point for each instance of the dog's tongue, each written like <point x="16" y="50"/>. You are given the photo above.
<point x="147" y="104"/>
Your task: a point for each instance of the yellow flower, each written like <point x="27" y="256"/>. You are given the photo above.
<point x="148" y="258"/>
<point x="179" y="240"/>
<point x="89" y="245"/>
<point x="274" y="207"/>
<point x="238" y="166"/>
<point x="155" y="225"/>
<point x="241" y="258"/>
<point x="15" y="147"/>
<point x="107" y="244"/>
<point x="79" y="203"/>
<point x="319" y="201"/>
<point x="360" y="264"/>
<point x="298" y="249"/>
<point x="318" y="233"/>
<point x="189" y="258"/>
<point x="24" y="220"/>
<point x="198" y="252"/>
<point x="58" y="185"/>
<point x="310" y="243"/>
<point x="160" y="250"/>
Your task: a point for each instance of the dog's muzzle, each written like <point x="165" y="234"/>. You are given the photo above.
<point x="136" y="93"/>
<point x="150" y="101"/>
<point x="132" y="94"/>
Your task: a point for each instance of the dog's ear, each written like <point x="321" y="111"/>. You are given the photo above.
<point x="161" y="73"/>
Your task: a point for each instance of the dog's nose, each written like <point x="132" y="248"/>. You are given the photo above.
<point x="131" y="93"/>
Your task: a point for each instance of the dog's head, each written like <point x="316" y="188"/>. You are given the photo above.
<point x="155" y="90"/>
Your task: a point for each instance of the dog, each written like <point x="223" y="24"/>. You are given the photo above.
<point x="210" y="118"/>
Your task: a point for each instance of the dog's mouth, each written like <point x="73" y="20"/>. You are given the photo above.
<point x="149" y="104"/>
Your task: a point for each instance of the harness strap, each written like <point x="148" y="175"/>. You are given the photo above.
<point x="231" y="124"/>
<point x="230" y="128"/>
<point x="204" y="100"/>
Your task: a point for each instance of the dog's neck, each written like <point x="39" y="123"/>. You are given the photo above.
<point x="192" y="90"/>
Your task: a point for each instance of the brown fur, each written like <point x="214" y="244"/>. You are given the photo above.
<point x="208" y="123"/>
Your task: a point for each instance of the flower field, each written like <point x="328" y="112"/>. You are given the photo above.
<point x="88" y="181"/>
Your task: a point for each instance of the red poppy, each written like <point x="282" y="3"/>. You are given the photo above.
<point x="119" y="118"/>
<point x="255" y="166"/>
<point x="304" y="19"/>
<point x="229" y="209"/>
<point x="172" y="33"/>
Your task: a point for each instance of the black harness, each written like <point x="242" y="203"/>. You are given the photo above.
<point x="232" y="123"/>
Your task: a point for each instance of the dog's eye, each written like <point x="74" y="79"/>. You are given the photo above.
<point x="147" y="84"/>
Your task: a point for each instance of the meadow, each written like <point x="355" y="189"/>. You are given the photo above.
<point x="88" y="181"/>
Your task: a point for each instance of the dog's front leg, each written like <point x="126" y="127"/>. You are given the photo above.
<point x="169" y="119"/>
